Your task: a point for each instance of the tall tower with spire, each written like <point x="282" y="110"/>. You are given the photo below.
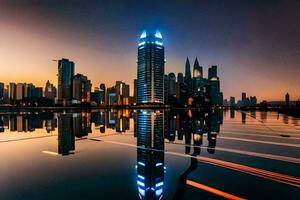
<point x="197" y="76"/>
<point x="188" y="76"/>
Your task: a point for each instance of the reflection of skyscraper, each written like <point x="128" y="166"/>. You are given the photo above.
<point x="151" y="68"/>
<point x="150" y="163"/>
<point x="66" y="137"/>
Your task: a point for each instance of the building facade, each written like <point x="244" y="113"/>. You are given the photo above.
<point x="150" y="69"/>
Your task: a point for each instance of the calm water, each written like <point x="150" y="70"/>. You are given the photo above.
<point x="149" y="154"/>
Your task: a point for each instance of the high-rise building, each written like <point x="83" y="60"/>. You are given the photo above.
<point x="166" y="91"/>
<point x="212" y="72"/>
<point x="19" y="91"/>
<point x="50" y="90"/>
<point x="197" y="77"/>
<point x="65" y="76"/>
<point x="287" y="99"/>
<point x="188" y="76"/>
<point x="111" y="96"/>
<point x="1" y="92"/>
<point x="81" y="88"/>
<point x="12" y="91"/>
<point x="244" y="99"/>
<point x="171" y="85"/>
<point x="38" y="92"/>
<point x="134" y="90"/>
<point x="232" y="101"/>
<point x="102" y="90"/>
<point x="6" y="94"/>
<point x="151" y="68"/>
<point x="122" y="93"/>
<point x="180" y="78"/>
<point x="253" y="101"/>
<point x="29" y="90"/>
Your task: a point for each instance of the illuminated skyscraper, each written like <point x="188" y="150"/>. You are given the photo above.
<point x="150" y="68"/>
<point x="197" y="77"/>
<point x="65" y="76"/>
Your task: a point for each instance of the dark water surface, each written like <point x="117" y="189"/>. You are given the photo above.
<point x="149" y="154"/>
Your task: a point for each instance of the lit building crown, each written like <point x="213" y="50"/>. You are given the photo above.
<point x="153" y="38"/>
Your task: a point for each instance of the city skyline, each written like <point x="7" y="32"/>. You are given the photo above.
<point x="257" y="63"/>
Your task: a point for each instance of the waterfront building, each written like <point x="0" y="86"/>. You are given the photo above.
<point x="1" y="92"/>
<point x="150" y="69"/>
<point x="232" y="102"/>
<point x="171" y="85"/>
<point x="180" y="78"/>
<point x="12" y="91"/>
<point x="111" y="96"/>
<point x="19" y="91"/>
<point x="50" y="90"/>
<point x="287" y="100"/>
<point x="81" y="88"/>
<point x="188" y="76"/>
<point x="65" y="80"/>
<point x="197" y="77"/>
<point x="38" y="92"/>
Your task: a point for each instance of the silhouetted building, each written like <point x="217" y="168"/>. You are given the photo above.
<point x="38" y="92"/>
<point x="171" y="85"/>
<point x="197" y="77"/>
<point x="232" y="102"/>
<point x="111" y="96"/>
<point x="188" y="76"/>
<point x="287" y="100"/>
<point x="19" y="91"/>
<point x="151" y="68"/>
<point x="50" y="90"/>
<point x="81" y="88"/>
<point x="12" y="91"/>
<point x="212" y="72"/>
<point x="1" y="92"/>
<point x="122" y="93"/>
<point x="134" y="90"/>
<point x="65" y="77"/>
<point x="180" y="78"/>
<point x="102" y="90"/>
<point x="253" y="101"/>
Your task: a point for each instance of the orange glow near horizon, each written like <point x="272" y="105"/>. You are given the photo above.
<point x="27" y="50"/>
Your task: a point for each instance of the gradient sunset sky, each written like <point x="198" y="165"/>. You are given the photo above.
<point x="255" y="43"/>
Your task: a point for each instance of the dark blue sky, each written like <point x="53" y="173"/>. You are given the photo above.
<point x="255" y="43"/>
